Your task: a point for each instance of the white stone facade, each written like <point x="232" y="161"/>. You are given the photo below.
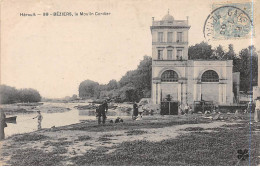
<point x="173" y="74"/>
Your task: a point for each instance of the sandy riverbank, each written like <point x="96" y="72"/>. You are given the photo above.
<point x="70" y="145"/>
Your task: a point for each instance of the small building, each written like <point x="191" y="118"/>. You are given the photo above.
<point x="185" y="81"/>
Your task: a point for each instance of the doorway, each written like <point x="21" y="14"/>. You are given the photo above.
<point x="169" y="108"/>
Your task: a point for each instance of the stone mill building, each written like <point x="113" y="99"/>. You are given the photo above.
<point x="185" y="81"/>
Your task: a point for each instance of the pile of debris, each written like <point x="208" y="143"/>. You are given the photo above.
<point x="224" y="116"/>
<point x="125" y="109"/>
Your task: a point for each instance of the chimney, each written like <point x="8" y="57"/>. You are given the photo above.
<point x="187" y="20"/>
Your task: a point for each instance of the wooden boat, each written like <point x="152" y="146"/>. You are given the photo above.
<point x="10" y="119"/>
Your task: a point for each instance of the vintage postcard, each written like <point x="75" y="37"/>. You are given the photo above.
<point x="129" y="83"/>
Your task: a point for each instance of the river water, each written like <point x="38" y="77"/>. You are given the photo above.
<point x="25" y="122"/>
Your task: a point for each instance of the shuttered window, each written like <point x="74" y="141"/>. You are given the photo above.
<point x="169" y="36"/>
<point x="160" y="36"/>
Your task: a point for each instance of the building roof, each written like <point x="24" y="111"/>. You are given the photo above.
<point x="169" y="22"/>
<point x="168" y="17"/>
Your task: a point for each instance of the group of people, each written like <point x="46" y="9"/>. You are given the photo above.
<point x="187" y="110"/>
<point x="103" y="108"/>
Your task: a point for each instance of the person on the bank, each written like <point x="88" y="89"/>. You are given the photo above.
<point x="105" y="106"/>
<point x="186" y="109"/>
<point x="2" y="125"/>
<point x="101" y="112"/>
<point x="39" y="117"/>
<point x="250" y="107"/>
<point x="105" y="109"/>
<point x="135" y="110"/>
<point x="180" y="110"/>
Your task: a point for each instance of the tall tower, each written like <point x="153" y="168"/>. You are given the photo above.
<point x="169" y="55"/>
<point x="170" y="39"/>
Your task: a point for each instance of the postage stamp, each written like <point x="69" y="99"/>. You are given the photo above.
<point x="229" y="21"/>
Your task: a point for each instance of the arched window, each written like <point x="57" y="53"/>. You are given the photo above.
<point x="169" y="76"/>
<point x="210" y="76"/>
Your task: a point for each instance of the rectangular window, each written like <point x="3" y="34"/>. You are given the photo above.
<point x="169" y="54"/>
<point x="160" y="54"/>
<point x="169" y="37"/>
<point x="179" y="54"/>
<point x="179" y="36"/>
<point x="160" y="36"/>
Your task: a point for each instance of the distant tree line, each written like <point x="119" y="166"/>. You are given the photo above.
<point x="10" y="95"/>
<point x="136" y="84"/>
<point x="133" y="86"/>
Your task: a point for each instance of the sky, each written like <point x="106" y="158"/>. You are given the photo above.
<point x="53" y="54"/>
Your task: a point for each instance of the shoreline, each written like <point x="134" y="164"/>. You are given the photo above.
<point x="83" y="143"/>
<point x="24" y="108"/>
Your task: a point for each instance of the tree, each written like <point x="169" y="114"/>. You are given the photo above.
<point x="230" y="55"/>
<point x="200" y="51"/>
<point x="29" y="95"/>
<point x="139" y="80"/>
<point x="219" y="53"/>
<point x="74" y="97"/>
<point x="8" y="94"/>
<point x="112" y="84"/>
<point x="87" y="88"/>
<point x="248" y="68"/>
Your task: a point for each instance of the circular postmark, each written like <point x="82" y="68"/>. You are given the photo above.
<point x="227" y="22"/>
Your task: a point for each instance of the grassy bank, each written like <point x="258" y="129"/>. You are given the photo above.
<point x="197" y="148"/>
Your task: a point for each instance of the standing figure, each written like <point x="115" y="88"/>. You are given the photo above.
<point x="101" y="112"/>
<point x="250" y="107"/>
<point x="98" y="112"/>
<point x="186" y="109"/>
<point x="180" y="110"/>
<point x="104" y="112"/>
<point x="190" y="110"/>
<point x="135" y="110"/>
<point x="2" y="125"/>
<point x="39" y="117"/>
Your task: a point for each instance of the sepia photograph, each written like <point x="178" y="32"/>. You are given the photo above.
<point x="129" y="83"/>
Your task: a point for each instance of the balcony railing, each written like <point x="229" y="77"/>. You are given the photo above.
<point x="170" y="43"/>
<point x="169" y="59"/>
<point x="173" y="23"/>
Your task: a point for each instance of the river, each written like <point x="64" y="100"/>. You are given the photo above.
<point x="25" y="122"/>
